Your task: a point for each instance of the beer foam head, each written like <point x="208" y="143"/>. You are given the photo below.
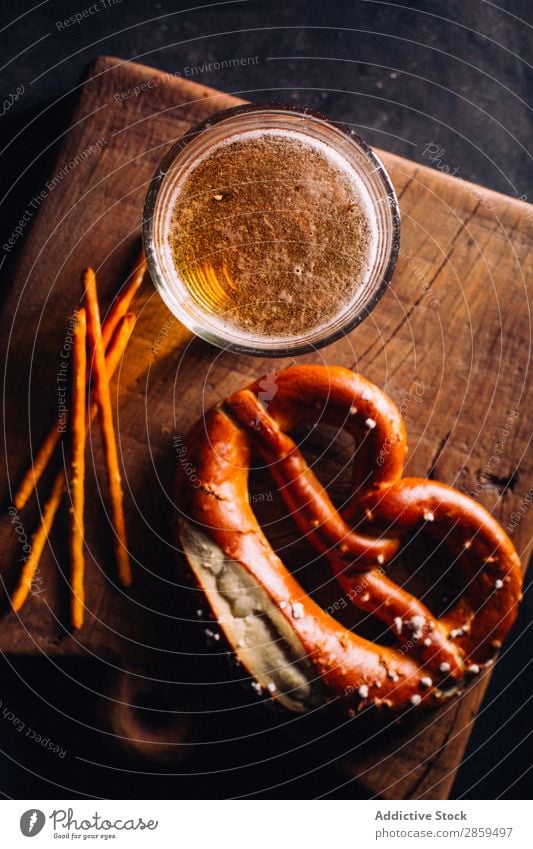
<point x="271" y="234"/>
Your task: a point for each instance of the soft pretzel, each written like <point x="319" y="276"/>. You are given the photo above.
<point x="294" y="650"/>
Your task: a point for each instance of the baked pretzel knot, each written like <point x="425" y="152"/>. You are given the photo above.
<point x="294" y="650"/>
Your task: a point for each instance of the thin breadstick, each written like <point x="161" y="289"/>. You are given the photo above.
<point x="121" y="304"/>
<point x="116" y="313"/>
<point x="78" y="434"/>
<point x="38" y="540"/>
<point x="33" y="474"/>
<point x="115" y="350"/>
<point x="103" y="399"/>
<point x="114" y="353"/>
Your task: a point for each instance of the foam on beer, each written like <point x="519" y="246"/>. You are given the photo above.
<point x="272" y="235"/>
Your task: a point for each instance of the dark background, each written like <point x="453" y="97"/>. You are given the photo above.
<point x="454" y="74"/>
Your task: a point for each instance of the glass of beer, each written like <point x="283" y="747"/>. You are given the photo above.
<point x="271" y="230"/>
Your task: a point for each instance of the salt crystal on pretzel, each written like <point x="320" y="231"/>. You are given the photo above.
<point x="311" y="658"/>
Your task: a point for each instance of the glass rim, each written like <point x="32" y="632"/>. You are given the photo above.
<point x="255" y="349"/>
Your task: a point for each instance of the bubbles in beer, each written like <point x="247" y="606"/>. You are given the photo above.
<point x="272" y="234"/>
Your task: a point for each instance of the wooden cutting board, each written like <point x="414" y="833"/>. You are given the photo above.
<point x="449" y="342"/>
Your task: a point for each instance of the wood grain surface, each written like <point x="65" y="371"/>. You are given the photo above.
<point x="449" y="342"/>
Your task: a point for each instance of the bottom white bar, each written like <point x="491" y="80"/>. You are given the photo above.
<point x="261" y="824"/>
